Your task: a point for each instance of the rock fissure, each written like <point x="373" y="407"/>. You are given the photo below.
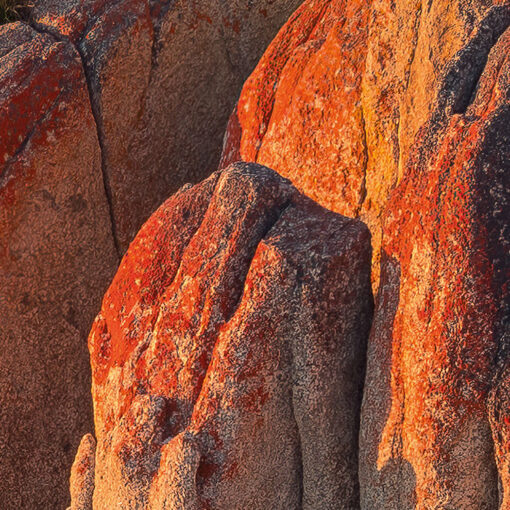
<point x="363" y="185"/>
<point x="96" y="112"/>
<point x="270" y="224"/>
<point x="97" y="121"/>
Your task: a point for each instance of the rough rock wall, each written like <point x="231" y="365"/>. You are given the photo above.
<point x="95" y="103"/>
<point x="402" y="121"/>
<point x="445" y="233"/>
<point x="164" y="77"/>
<point x="228" y="356"/>
<point x="56" y="258"/>
<point x="338" y="97"/>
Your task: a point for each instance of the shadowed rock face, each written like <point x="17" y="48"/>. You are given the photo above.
<point x="397" y="113"/>
<point x="228" y="356"/>
<point x="56" y="254"/>
<point x="164" y="77"/>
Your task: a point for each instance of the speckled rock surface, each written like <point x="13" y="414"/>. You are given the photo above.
<point x="378" y="111"/>
<point x="228" y="356"/>
<point x="430" y="436"/>
<point x="56" y="257"/>
<point x="88" y="109"/>
<point x="164" y="77"/>
<point x="82" y="474"/>
<point x="337" y="99"/>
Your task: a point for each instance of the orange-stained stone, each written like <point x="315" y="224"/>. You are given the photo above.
<point x="437" y="348"/>
<point x="228" y="356"/>
<point x="163" y="77"/>
<point x="82" y="475"/>
<point x="95" y="102"/>
<point x="369" y="108"/>
<point x="56" y="257"/>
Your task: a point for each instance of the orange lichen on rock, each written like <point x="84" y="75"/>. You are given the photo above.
<point x="300" y="111"/>
<point x="163" y="78"/>
<point x="376" y="110"/>
<point x="446" y="252"/>
<point x="82" y="475"/>
<point x="338" y="97"/>
<point x="106" y="108"/>
<point x="228" y="356"/>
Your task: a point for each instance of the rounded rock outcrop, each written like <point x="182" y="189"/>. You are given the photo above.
<point x="228" y="357"/>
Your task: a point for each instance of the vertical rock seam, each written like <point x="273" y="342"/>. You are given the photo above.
<point x="56" y="253"/>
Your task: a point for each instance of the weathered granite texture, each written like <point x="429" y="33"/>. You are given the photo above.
<point x="228" y="357"/>
<point x="164" y="77"/>
<point x="106" y="108"/>
<point x="397" y="113"/>
<point x="56" y="258"/>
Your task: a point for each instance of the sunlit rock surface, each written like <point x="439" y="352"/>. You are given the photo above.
<point x="336" y="101"/>
<point x="106" y="109"/>
<point x="228" y="358"/>
<point x="229" y="355"/>
<point x="422" y="158"/>
<point x="440" y="344"/>
<point x="82" y="474"/>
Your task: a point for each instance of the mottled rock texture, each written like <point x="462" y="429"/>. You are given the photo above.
<point x="106" y="107"/>
<point x="338" y="97"/>
<point x="397" y="113"/>
<point x="228" y="356"/>
<point x="56" y="257"/>
<point x="82" y="474"/>
<point x="440" y="346"/>
<point x="164" y="77"/>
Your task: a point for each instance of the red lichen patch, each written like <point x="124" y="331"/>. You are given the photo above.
<point x="300" y="111"/>
<point x="56" y="252"/>
<point x="336" y="104"/>
<point x="443" y="231"/>
<point x="28" y="94"/>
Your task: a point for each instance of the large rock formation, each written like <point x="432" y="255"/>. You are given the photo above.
<point x="228" y="356"/>
<point x="396" y="112"/>
<point x="338" y="97"/>
<point x="163" y="77"/>
<point x="438" y="341"/>
<point x="56" y="257"/>
<point x="96" y="101"/>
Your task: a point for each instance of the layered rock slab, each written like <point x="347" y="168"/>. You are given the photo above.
<point x="228" y="356"/>
<point x="55" y="232"/>
<point x="164" y="77"/>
